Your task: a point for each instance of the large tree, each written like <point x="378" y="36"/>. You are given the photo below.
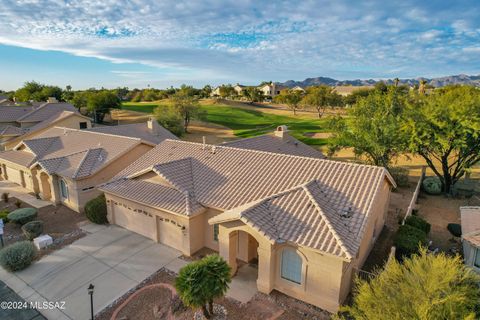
<point x="101" y="102"/>
<point x="372" y="127"/>
<point x="444" y="129"/>
<point x="291" y="98"/>
<point x="423" y="287"/>
<point x="321" y="97"/>
<point x="37" y="92"/>
<point x="185" y="102"/>
<point x="253" y="94"/>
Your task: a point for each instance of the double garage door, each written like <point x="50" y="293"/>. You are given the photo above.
<point x="148" y="226"/>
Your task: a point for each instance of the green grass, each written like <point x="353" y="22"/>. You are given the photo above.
<point x="246" y="122"/>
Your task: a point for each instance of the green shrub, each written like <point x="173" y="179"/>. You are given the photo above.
<point x="432" y="185"/>
<point x="3" y="215"/>
<point x="96" y="210"/>
<point x="407" y="241"/>
<point x="22" y="216"/>
<point x="419" y="223"/>
<point x="5" y="197"/>
<point x="17" y="256"/>
<point x="32" y="229"/>
<point x="400" y="175"/>
<point x="455" y="229"/>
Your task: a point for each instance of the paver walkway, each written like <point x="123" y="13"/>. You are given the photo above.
<point x="20" y="193"/>
<point x="113" y="259"/>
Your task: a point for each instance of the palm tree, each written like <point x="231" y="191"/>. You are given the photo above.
<point x="396" y="81"/>
<point x="421" y="87"/>
<point x="199" y="282"/>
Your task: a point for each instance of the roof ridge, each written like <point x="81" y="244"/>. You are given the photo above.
<point x="88" y="151"/>
<point x="101" y="133"/>
<point x="326" y="219"/>
<point x="34" y="110"/>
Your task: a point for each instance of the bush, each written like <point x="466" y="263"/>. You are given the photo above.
<point x="17" y="256"/>
<point x="96" y="210"/>
<point x="419" y="223"/>
<point x="407" y="241"/>
<point x="455" y="229"/>
<point x="432" y="185"/>
<point x="18" y="203"/>
<point x="32" y="229"/>
<point x="22" y="216"/>
<point x="400" y="175"/>
<point x="3" y="215"/>
<point x="5" y="196"/>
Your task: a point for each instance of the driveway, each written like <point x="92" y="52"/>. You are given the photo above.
<point x="113" y="259"/>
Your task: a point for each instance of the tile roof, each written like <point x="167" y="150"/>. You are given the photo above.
<point x="138" y="130"/>
<point x="12" y="113"/>
<point x="272" y="143"/>
<point x="328" y="202"/>
<point x="22" y="158"/>
<point x="73" y="153"/>
<point x="11" y="131"/>
<point x="46" y="111"/>
<point x="470" y="220"/>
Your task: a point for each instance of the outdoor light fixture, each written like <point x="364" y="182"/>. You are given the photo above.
<point x="90" y="292"/>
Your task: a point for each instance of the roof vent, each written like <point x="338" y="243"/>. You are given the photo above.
<point x="214" y="148"/>
<point x="204" y="142"/>
<point x="346" y="213"/>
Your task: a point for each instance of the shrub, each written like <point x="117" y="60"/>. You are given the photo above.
<point x="432" y="185"/>
<point x="400" y="175"/>
<point x="5" y="196"/>
<point x="18" y="203"/>
<point x="407" y="241"/>
<point x="96" y="210"/>
<point x="455" y="229"/>
<point x="22" y="216"/>
<point x="419" y="223"/>
<point x="17" y="256"/>
<point x="32" y="229"/>
<point x="3" y="215"/>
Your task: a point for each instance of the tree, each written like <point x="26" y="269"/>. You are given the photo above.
<point x="79" y="100"/>
<point x="226" y="91"/>
<point x="356" y="95"/>
<point x="37" y="92"/>
<point x="423" y="287"/>
<point x="321" y="97"/>
<point x="291" y="98"/>
<point x="253" y="94"/>
<point x="206" y="91"/>
<point x="444" y="129"/>
<point x="101" y="102"/>
<point x="170" y="119"/>
<point x="372" y="128"/>
<point x="68" y="94"/>
<point x="199" y="282"/>
<point x="185" y="102"/>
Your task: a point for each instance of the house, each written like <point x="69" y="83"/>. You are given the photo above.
<point x="298" y="88"/>
<point x="271" y="89"/>
<point x="470" y="217"/>
<point x="309" y="223"/>
<point x="4" y="101"/>
<point x="16" y="122"/>
<point x="215" y="92"/>
<point x="65" y="165"/>
<point x="239" y="89"/>
<point x="278" y="142"/>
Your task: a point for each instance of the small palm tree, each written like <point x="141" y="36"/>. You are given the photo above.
<point x="199" y="282"/>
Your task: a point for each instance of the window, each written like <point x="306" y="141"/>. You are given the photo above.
<point x="83" y="125"/>
<point x="476" y="263"/>
<point x="215" y="232"/>
<point x="63" y="189"/>
<point x="291" y="266"/>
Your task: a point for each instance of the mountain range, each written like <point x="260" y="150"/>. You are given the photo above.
<point x="436" y="82"/>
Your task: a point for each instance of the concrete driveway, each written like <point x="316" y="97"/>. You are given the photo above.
<point x="113" y="259"/>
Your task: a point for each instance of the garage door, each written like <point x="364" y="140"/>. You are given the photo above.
<point x="14" y="175"/>
<point x="135" y="221"/>
<point x="169" y="233"/>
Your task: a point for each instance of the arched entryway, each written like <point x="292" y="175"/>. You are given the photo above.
<point x="46" y="190"/>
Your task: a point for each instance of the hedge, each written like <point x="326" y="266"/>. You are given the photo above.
<point x="22" y="216"/>
<point x="96" y="210"/>
<point x="17" y="256"/>
<point x="32" y="229"/>
<point x="419" y="223"/>
<point x="407" y="241"/>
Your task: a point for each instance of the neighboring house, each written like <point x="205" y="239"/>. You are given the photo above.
<point x="271" y="89"/>
<point x="65" y="165"/>
<point x="16" y="121"/>
<point x="4" y="101"/>
<point x="278" y="142"/>
<point x="239" y="89"/>
<point x="309" y="223"/>
<point x="470" y="217"/>
<point x="215" y="92"/>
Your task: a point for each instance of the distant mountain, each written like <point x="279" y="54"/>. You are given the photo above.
<point x="436" y="82"/>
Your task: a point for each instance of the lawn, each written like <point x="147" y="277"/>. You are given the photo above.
<point x="249" y="122"/>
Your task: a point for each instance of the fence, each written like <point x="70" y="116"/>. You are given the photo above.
<point x="413" y="202"/>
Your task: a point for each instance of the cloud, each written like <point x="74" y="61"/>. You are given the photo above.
<point x="242" y="40"/>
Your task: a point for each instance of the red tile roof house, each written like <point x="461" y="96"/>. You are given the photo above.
<point x="309" y="222"/>
<point x="65" y="165"/>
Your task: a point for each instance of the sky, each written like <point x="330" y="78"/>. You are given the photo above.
<point x="140" y="43"/>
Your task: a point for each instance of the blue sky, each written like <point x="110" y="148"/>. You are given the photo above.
<point x="136" y="43"/>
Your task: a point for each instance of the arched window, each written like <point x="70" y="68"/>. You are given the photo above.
<point x="63" y="189"/>
<point x="291" y="268"/>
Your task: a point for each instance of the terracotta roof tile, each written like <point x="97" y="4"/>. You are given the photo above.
<point x="46" y="111"/>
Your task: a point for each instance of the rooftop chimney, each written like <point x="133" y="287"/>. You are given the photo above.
<point x="282" y="131"/>
<point x="52" y="100"/>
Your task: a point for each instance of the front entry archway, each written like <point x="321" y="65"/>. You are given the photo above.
<point x="46" y="190"/>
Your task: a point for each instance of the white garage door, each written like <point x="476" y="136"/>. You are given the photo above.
<point x="135" y="221"/>
<point x="14" y="175"/>
<point x="169" y="233"/>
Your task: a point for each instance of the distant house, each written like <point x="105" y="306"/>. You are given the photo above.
<point x="239" y="89"/>
<point x="215" y="92"/>
<point x="4" y="101"/>
<point x="348" y="90"/>
<point x="298" y="88"/>
<point x="20" y="122"/>
<point x="470" y="217"/>
<point x="271" y="89"/>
